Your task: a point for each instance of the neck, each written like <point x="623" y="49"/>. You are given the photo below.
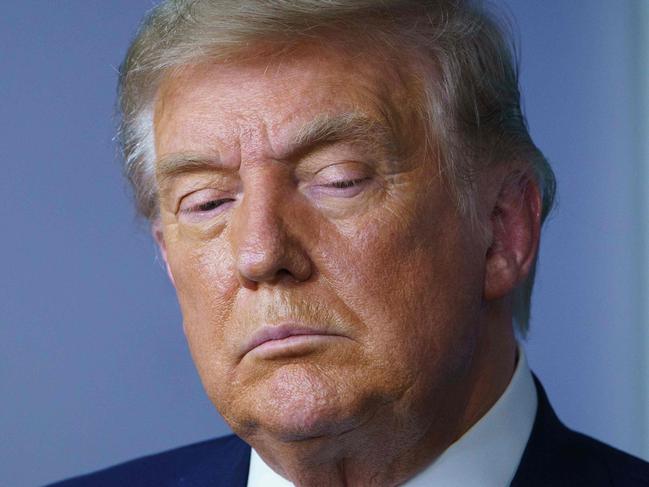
<point x="394" y="445"/>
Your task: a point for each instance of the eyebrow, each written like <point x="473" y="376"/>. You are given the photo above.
<point x="351" y="127"/>
<point x="325" y="129"/>
<point x="171" y="165"/>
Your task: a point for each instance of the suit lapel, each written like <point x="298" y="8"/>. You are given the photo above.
<point x="555" y="455"/>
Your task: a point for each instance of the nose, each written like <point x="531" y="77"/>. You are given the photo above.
<point x="266" y="251"/>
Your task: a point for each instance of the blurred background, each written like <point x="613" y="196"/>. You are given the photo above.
<point x="94" y="368"/>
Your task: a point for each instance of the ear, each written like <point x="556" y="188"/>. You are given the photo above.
<point x="515" y="230"/>
<point x="158" y="235"/>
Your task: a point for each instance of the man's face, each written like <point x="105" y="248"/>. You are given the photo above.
<point x="324" y="275"/>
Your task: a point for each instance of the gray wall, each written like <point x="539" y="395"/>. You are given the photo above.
<point x="93" y="364"/>
<point x="589" y="332"/>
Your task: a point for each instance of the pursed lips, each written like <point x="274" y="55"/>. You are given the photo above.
<point x="283" y="332"/>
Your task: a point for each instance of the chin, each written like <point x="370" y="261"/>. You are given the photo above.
<point x="297" y="403"/>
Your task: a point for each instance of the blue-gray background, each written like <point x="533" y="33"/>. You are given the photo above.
<point x="93" y="363"/>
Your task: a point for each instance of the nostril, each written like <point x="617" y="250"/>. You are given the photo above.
<point x="285" y="274"/>
<point x="267" y="252"/>
<point x="289" y="266"/>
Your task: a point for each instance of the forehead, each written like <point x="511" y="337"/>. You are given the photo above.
<point x="203" y="103"/>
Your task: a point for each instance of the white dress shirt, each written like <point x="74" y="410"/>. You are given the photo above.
<point x="487" y="455"/>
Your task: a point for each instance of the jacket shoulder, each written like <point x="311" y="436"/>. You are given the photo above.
<point x="222" y="461"/>
<point x="557" y="456"/>
<point x="586" y="459"/>
<point x="625" y="469"/>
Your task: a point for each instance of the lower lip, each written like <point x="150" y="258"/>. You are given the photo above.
<point x="291" y="346"/>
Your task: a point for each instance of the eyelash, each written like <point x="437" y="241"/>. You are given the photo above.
<point x="347" y="183"/>
<point x="208" y="206"/>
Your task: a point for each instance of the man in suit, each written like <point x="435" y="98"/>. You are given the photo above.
<point x="349" y="206"/>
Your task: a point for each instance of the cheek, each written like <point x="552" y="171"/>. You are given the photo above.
<point x="411" y="282"/>
<point x="199" y="271"/>
<point x="205" y="288"/>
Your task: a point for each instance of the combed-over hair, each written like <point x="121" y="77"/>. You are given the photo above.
<point x="470" y="103"/>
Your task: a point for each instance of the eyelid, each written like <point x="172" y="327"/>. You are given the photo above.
<point x="188" y="203"/>
<point x="342" y="171"/>
<point x="184" y="185"/>
<point x="341" y="180"/>
<point x="197" y="207"/>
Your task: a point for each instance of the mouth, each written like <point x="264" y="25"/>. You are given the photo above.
<point x="286" y="339"/>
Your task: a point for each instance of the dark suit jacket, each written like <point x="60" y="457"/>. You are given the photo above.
<point x="554" y="457"/>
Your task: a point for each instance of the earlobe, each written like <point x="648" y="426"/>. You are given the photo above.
<point x="515" y="229"/>
<point x="158" y="235"/>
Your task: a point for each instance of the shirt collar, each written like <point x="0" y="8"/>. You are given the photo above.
<point x="487" y="455"/>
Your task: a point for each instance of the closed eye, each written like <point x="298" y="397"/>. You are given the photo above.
<point x="207" y="206"/>
<point x="347" y="184"/>
<point x="343" y="188"/>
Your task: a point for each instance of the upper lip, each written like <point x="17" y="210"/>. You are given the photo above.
<point x="279" y="332"/>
